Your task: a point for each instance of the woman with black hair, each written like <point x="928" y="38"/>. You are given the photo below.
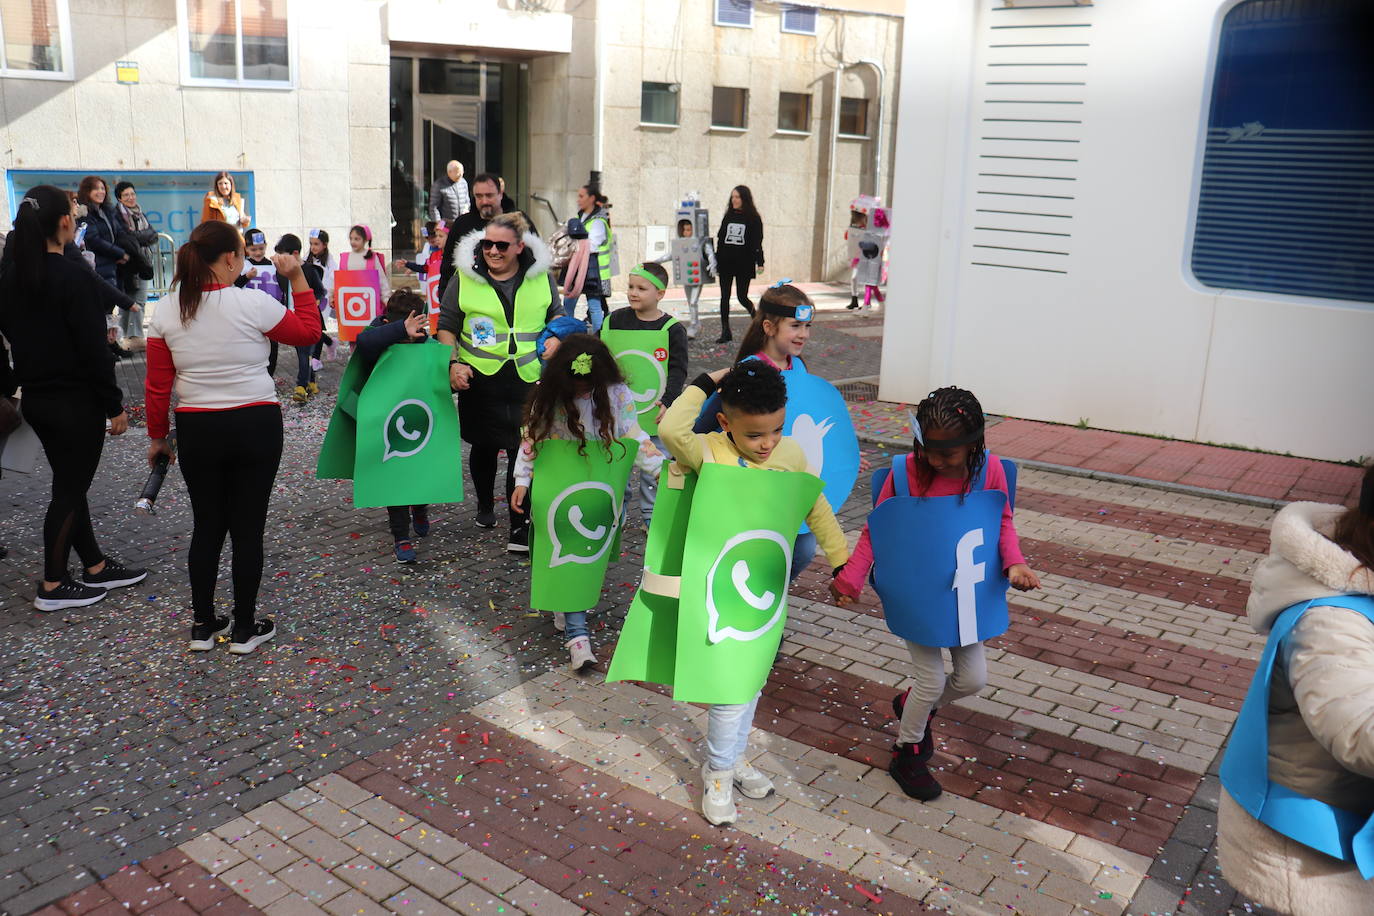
<point x="50" y="314"/>
<point x="739" y="250"/>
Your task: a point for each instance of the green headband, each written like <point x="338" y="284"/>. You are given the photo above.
<point x="641" y="272"/>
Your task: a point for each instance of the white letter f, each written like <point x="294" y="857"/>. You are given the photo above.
<point x="967" y="574"/>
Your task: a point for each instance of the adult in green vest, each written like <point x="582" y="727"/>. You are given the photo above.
<point x="594" y="210"/>
<point x="492" y="312"/>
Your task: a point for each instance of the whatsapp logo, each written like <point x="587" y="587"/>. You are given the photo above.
<point x="645" y="376"/>
<point x="582" y="522"/>
<point x="746" y="589"/>
<point x="407" y="429"/>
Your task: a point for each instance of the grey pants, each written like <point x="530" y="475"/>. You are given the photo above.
<point x="932" y="689"/>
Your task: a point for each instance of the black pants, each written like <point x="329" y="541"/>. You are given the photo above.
<point x="398" y="520"/>
<point x="741" y="284"/>
<point x="229" y="459"/>
<point x="482" y="467"/>
<point x="72" y="430"/>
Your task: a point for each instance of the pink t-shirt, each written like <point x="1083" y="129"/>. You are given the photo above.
<point x="851" y="579"/>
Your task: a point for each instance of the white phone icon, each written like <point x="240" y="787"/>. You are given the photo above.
<point x="404" y="434"/>
<point x="739" y="576"/>
<point x="575" y="519"/>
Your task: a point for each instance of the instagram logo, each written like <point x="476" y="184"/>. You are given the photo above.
<point x="357" y="304"/>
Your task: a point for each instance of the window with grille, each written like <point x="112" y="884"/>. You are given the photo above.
<point x="854" y="117"/>
<point x="737" y="13"/>
<point x="729" y="107"/>
<point x="235" y="42"/>
<point x="35" y="39"/>
<point x="800" y="20"/>
<point x="658" y="103"/>
<point x="1286" y="197"/>
<point x="794" y="111"/>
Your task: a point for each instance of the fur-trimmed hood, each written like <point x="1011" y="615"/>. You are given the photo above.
<point x="1303" y="563"/>
<point x="535" y="260"/>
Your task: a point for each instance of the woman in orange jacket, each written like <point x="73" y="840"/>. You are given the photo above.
<point x="224" y="204"/>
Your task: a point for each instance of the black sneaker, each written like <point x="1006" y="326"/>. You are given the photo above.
<point x="68" y="593"/>
<point x="244" y="642"/>
<point x="203" y="635"/>
<point x="912" y="775"/>
<point x="519" y="540"/>
<point x="486" y="518"/>
<point x="114" y="575"/>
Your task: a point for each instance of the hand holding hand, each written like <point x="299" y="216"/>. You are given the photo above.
<point x="1023" y="578"/>
<point x="399" y="263"/>
<point x="840" y="599"/>
<point x="158" y="447"/>
<point x="459" y="376"/>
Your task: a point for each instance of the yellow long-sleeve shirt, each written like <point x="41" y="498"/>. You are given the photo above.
<point x="686" y="448"/>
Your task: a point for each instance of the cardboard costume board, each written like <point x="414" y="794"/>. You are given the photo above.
<point x="643" y="358"/>
<point x="357" y="300"/>
<point x="575" y="508"/>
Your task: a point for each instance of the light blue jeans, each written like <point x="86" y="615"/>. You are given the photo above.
<point x="647" y="485"/>
<point x="575" y="625"/>
<point x="727" y="733"/>
<point x="803" y="552"/>
<point x="596" y="310"/>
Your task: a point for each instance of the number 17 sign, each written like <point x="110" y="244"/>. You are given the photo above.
<point x="357" y="300"/>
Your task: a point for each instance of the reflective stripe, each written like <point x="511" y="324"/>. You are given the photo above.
<point x="475" y="351"/>
<point x="525" y="359"/>
<point x="525" y="335"/>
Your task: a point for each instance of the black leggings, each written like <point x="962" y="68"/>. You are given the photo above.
<point x="229" y="459"/>
<point x="482" y="467"/>
<point x="741" y="283"/>
<point x="72" y="430"/>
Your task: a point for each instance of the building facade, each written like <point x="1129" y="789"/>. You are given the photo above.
<point x="1150" y="217"/>
<point x="336" y="112"/>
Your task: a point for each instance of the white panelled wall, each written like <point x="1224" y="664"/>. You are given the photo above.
<point x="1046" y="181"/>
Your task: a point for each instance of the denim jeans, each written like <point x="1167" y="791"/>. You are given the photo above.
<point x="575" y="625"/>
<point x="304" y="374"/>
<point x="803" y="552"/>
<point x="727" y="733"/>
<point x="647" y="485"/>
<point x="596" y="310"/>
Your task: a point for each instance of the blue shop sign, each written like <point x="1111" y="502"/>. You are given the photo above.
<point x="171" y="200"/>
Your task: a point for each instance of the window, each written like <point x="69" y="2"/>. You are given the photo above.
<point x="854" y="117"/>
<point x="729" y="107"/>
<point x="800" y="20"/>
<point x="35" y="39"/>
<point x="737" y="13"/>
<point x="658" y="103"/>
<point x="794" y="111"/>
<point x="1288" y="157"/>
<point x="235" y="42"/>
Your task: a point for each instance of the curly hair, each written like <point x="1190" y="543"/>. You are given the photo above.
<point x="753" y="387"/>
<point x="953" y="409"/>
<point x="554" y="398"/>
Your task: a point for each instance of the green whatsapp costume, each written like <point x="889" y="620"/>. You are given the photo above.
<point x="643" y="358"/>
<point x="708" y="620"/>
<point x="575" y="510"/>
<point x="395" y="432"/>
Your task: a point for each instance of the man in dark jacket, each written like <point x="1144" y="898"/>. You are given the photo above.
<point x="488" y="200"/>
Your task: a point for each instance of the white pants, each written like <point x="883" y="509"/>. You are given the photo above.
<point x="932" y="689"/>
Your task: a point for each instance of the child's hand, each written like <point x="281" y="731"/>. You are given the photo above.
<point x="662" y="409"/>
<point x="839" y="597"/>
<point x="517" y="500"/>
<point x="252" y="273"/>
<point x="551" y="347"/>
<point x="400" y="263"/>
<point x="415" y="324"/>
<point x="1023" y="578"/>
<point x="649" y="450"/>
<point x="719" y="374"/>
<point x="459" y="376"/>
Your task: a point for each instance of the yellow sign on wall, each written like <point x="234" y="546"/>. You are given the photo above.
<point x="126" y="72"/>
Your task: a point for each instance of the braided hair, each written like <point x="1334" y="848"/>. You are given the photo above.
<point x="957" y="410"/>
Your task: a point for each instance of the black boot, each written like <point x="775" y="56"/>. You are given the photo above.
<point x="725" y="335"/>
<point x="926" y="746"/>
<point x="853" y="302"/>
<point x="911" y="774"/>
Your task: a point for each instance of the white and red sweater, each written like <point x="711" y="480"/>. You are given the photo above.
<point x="219" y="360"/>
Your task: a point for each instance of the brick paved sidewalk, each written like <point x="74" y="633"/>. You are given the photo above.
<point x="1279" y="477"/>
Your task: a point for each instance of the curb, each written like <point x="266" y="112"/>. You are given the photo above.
<point x="1244" y="499"/>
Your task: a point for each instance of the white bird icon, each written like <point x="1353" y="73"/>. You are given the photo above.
<point x="810" y="435"/>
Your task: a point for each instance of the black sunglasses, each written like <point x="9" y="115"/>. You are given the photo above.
<point x="489" y="244"/>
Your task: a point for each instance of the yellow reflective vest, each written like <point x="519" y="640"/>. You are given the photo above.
<point x="487" y="340"/>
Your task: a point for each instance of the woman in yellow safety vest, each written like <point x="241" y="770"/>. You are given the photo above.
<point x="594" y="210"/>
<point x="501" y="297"/>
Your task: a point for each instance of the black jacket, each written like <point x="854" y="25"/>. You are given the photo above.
<point x="101" y="223"/>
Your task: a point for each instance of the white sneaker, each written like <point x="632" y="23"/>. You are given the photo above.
<point x="718" y="795"/>
<point x="580" y="653"/>
<point x="559" y="623"/>
<point x="752" y="783"/>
